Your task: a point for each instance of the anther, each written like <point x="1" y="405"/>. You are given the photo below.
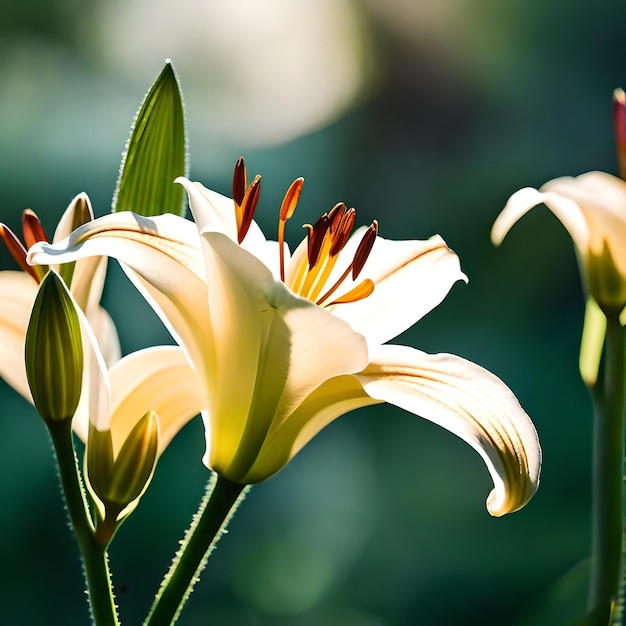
<point x="316" y="236"/>
<point x="335" y="215"/>
<point x="363" y="251"/>
<point x="290" y="201"/>
<point x="32" y="229"/>
<point x="287" y="208"/>
<point x="343" y="231"/>
<point x="248" y="207"/>
<point x="17" y="250"/>
<point x="360" y="292"/>
<point x="240" y="181"/>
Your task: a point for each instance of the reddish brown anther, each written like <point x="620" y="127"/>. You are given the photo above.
<point x="360" y="292"/>
<point x="316" y="236"/>
<point x="248" y="207"/>
<point x="619" y="121"/>
<point x="16" y="249"/>
<point x="290" y="201"/>
<point x="287" y="208"/>
<point x="335" y="215"/>
<point x="32" y="229"/>
<point x="342" y="233"/>
<point x="240" y="181"/>
<point x="363" y="251"/>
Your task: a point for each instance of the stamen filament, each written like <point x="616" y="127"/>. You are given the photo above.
<point x="281" y="248"/>
<point x="336" y="286"/>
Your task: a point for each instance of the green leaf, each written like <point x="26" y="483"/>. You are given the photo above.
<point x="156" y="153"/>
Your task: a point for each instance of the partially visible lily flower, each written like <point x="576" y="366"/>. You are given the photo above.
<point x="134" y="410"/>
<point x="592" y="207"/>
<point x="283" y="345"/>
<point x="19" y="288"/>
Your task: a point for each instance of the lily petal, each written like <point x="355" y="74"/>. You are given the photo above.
<point x="163" y="251"/>
<point x="330" y="400"/>
<point x="591" y="207"/>
<point x="411" y="278"/>
<point x="565" y="209"/>
<point x="213" y="212"/>
<point x="470" y="402"/>
<point x="158" y="379"/>
<point x="106" y="334"/>
<point x="285" y="345"/>
<point x="601" y="198"/>
<point x="17" y="294"/>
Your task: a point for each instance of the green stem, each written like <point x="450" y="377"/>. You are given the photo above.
<point x="95" y="564"/>
<point x="218" y="505"/>
<point x="608" y="455"/>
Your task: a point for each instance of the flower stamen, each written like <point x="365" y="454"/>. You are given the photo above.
<point x="365" y="288"/>
<point x="326" y="238"/>
<point x="287" y="208"/>
<point x="248" y="207"/>
<point x="360" y="292"/>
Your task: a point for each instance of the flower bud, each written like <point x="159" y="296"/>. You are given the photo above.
<point x="118" y="478"/>
<point x="54" y="351"/>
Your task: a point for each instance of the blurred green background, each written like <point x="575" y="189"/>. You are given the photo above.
<point x="425" y="115"/>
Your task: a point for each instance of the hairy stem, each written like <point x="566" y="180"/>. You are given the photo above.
<point x="220" y="502"/>
<point x="95" y="563"/>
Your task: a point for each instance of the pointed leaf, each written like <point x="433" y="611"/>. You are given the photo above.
<point x="156" y="153"/>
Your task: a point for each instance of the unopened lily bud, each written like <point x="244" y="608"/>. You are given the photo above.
<point x="619" y="122"/>
<point x="54" y="351"/>
<point x="118" y="478"/>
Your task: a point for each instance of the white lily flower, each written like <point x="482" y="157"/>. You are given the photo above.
<point x="592" y="207"/>
<point x="280" y="358"/>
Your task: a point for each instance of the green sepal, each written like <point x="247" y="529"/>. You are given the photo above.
<point x="54" y="351"/>
<point x="156" y="153"/>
